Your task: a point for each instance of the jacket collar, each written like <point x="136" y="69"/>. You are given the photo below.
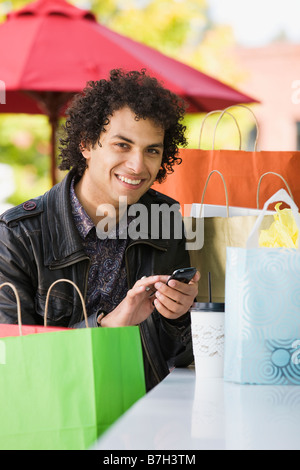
<point x="62" y="242"/>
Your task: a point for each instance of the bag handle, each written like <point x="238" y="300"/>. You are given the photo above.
<point x="225" y="189"/>
<point x="271" y="173"/>
<point x="283" y="196"/>
<point x="80" y="295"/>
<point x="241" y="106"/>
<point x="18" y="303"/>
<point x="214" y="112"/>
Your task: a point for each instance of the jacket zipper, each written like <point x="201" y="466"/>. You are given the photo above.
<point x="156" y="374"/>
<point x="141" y="242"/>
<point x="144" y="341"/>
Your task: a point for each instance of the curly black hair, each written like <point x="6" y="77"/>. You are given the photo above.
<point x="90" y="110"/>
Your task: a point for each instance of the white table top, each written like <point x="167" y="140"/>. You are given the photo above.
<point x="183" y="413"/>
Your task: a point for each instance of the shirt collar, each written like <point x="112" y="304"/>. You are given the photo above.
<point x="83" y="221"/>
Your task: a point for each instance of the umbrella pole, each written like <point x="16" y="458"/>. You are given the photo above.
<point x="53" y="123"/>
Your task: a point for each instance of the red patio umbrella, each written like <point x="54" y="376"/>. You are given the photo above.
<point x="50" y="49"/>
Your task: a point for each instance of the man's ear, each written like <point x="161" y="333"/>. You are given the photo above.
<point x="84" y="148"/>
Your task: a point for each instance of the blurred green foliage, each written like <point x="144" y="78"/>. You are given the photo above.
<point x="24" y="144"/>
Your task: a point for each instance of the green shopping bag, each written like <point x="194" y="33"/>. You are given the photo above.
<point x="62" y="389"/>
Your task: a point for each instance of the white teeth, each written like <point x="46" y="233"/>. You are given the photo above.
<point x="126" y="180"/>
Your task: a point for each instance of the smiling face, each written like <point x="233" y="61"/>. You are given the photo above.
<point x="125" y="163"/>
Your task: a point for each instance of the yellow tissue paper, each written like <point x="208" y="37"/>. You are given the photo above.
<point x="283" y="232"/>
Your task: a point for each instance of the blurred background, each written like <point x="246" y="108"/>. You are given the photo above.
<point x="253" y="46"/>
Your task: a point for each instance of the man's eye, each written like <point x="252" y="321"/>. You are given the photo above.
<point x="122" y="145"/>
<point x="153" y="151"/>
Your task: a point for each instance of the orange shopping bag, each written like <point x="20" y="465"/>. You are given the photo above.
<point x="241" y="170"/>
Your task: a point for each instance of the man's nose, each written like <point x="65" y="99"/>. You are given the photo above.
<point x="135" y="161"/>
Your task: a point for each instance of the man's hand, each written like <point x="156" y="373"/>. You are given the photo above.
<point x="172" y="301"/>
<point x="175" y="299"/>
<point x="137" y="305"/>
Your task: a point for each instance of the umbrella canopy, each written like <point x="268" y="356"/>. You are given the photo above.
<point x="53" y="48"/>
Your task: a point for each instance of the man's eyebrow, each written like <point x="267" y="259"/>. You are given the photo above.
<point x="122" y="137"/>
<point x="159" y="144"/>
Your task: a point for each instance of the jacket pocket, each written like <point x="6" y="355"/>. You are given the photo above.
<point x="60" y="308"/>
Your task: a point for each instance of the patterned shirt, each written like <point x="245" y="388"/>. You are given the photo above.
<point x="107" y="280"/>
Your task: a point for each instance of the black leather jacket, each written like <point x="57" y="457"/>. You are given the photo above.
<point x="39" y="244"/>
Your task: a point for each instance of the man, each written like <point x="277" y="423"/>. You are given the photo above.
<point x="121" y="135"/>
